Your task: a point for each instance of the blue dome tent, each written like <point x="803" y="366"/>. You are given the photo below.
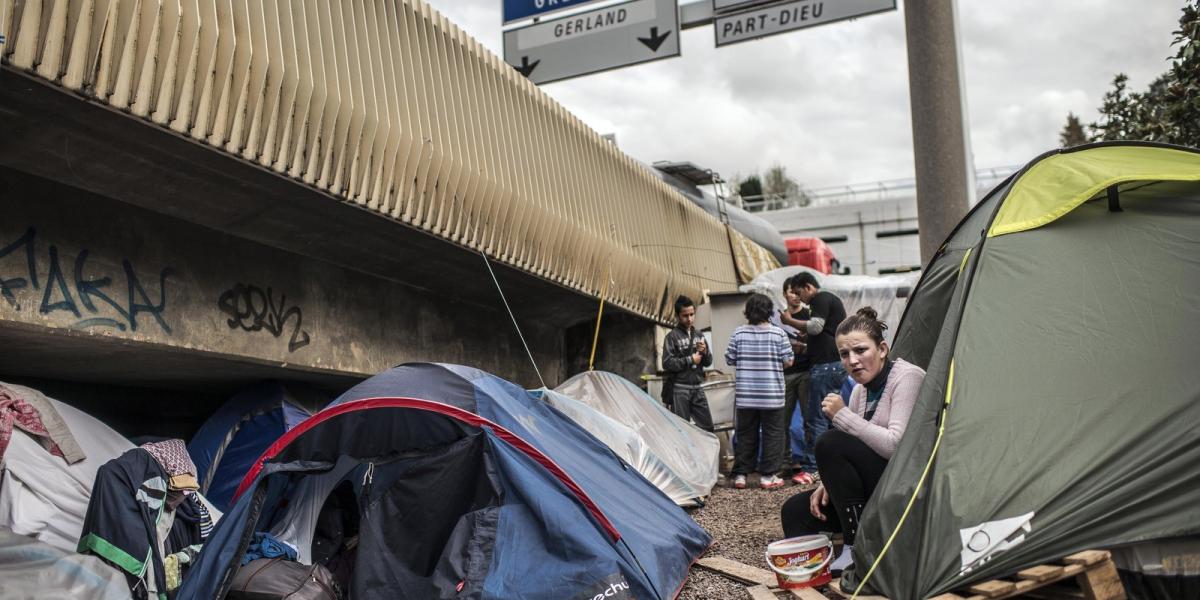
<point x="468" y="487"/>
<point x="234" y="436"/>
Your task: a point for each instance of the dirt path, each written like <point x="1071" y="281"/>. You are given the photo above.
<point x="742" y="523"/>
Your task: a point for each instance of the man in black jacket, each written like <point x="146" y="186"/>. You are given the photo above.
<point x="685" y="354"/>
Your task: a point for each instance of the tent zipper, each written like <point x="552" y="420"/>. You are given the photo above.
<point x="368" y="478"/>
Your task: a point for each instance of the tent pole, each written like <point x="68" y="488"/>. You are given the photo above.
<point x="600" y="313"/>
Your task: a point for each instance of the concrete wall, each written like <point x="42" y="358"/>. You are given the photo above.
<point x="94" y="289"/>
<point x="626" y="346"/>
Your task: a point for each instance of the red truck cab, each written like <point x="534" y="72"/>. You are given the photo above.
<point x="812" y="253"/>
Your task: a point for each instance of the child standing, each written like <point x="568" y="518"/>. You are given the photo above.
<point x="760" y="352"/>
<point x="685" y="355"/>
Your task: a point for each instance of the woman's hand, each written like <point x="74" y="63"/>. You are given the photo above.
<point x="818" y="499"/>
<point x="832" y="404"/>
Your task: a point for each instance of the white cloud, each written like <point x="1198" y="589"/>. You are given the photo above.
<point x="831" y="103"/>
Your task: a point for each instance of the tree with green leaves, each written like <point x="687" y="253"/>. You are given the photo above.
<point x="1072" y="133"/>
<point x="1117" y="120"/>
<point x="778" y="186"/>
<point x="750" y="187"/>
<point x="1183" y="94"/>
<point x="1169" y="110"/>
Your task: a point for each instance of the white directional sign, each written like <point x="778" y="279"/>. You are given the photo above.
<point x="596" y="40"/>
<point x="788" y="16"/>
<point x="727" y="5"/>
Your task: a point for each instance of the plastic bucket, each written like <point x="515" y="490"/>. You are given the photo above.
<point x="801" y="562"/>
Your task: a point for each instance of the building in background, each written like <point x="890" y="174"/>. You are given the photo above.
<point x="871" y="228"/>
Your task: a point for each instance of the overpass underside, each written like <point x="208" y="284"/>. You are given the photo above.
<point x="200" y="192"/>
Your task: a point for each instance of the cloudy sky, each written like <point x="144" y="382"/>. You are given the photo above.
<point x="831" y="103"/>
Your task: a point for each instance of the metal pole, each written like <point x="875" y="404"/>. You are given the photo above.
<point x="945" y="177"/>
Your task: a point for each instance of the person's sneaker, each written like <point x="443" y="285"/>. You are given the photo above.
<point x="803" y="478"/>
<point x="739" y="482"/>
<point x="771" y="482"/>
<point x="842" y="562"/>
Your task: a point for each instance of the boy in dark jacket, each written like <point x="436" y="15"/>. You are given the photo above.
<point x="685" y="354"/>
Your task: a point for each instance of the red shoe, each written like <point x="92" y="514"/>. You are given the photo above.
<point x="803" y="478"/>
<point x="739" y="482"/>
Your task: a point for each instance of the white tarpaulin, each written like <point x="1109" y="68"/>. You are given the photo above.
<point x="691" y="453"/>
<point x="40" y="494"/>
<point x="887" y="294"/>
<point x="625" y="443"/>
<point x="33" y="569"/>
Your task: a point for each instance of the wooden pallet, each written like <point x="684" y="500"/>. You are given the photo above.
<point x="760" y="583"/>
<point x="1088" y="575"/>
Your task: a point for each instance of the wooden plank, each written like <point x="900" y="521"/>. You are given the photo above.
<point x="761" y="592"/>
<point x="1041" y="573"/>
<point x="1025" y="585"/>
<point x="1087" y="557"/>
<point x="739" y="571"/>
<point x="807" y="594"/>
<point x="1070" y="570"/>
<point x="1102" y="582"/>
<point x="992" y="589"/>
<point x="835" y="586"/>
<point x="949" y="596"/>
<point x="1056" y="592"/>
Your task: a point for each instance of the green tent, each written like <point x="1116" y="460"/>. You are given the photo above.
<point x="1059" y="326"/>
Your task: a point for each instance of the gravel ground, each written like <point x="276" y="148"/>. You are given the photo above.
<point x="742" y="523"/>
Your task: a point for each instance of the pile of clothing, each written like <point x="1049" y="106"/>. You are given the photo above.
<point x="49" y="455"/>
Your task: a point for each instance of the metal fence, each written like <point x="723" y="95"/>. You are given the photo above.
<point x="860" y="192"/>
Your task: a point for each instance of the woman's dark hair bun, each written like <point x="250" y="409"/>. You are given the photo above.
<point x="868" y="312"/>
<point x="865" y="320"/>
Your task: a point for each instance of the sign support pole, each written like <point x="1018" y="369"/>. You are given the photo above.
<point x="944" y="173"/>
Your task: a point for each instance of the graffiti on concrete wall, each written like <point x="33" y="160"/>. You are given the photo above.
<point x="252" y="309"/>
<point x="93" y="301"/>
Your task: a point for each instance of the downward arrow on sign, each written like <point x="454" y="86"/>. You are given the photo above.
<point x="526" y="67"/>
<point x="654" y="41"/>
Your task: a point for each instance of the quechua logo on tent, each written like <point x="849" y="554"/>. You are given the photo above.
<point x="613" y="587"/>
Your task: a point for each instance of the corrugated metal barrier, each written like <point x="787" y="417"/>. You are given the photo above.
<point x="389" y="105"/>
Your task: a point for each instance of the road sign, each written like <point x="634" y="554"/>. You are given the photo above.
<point x="789" y="16"/>
<point x="720" y="6"/>
<point x="597" y="40"/>
<point x="519" y="10"/>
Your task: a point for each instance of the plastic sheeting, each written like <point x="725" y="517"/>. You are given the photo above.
<point x="887" y="294"/>
<point x="627" y="444"/>
<point x="691" y="453"/>
<point x="40" y="494"/>
<point x="33" y="569"/>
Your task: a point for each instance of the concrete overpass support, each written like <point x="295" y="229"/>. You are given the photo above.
<point x="96" y="290"/>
